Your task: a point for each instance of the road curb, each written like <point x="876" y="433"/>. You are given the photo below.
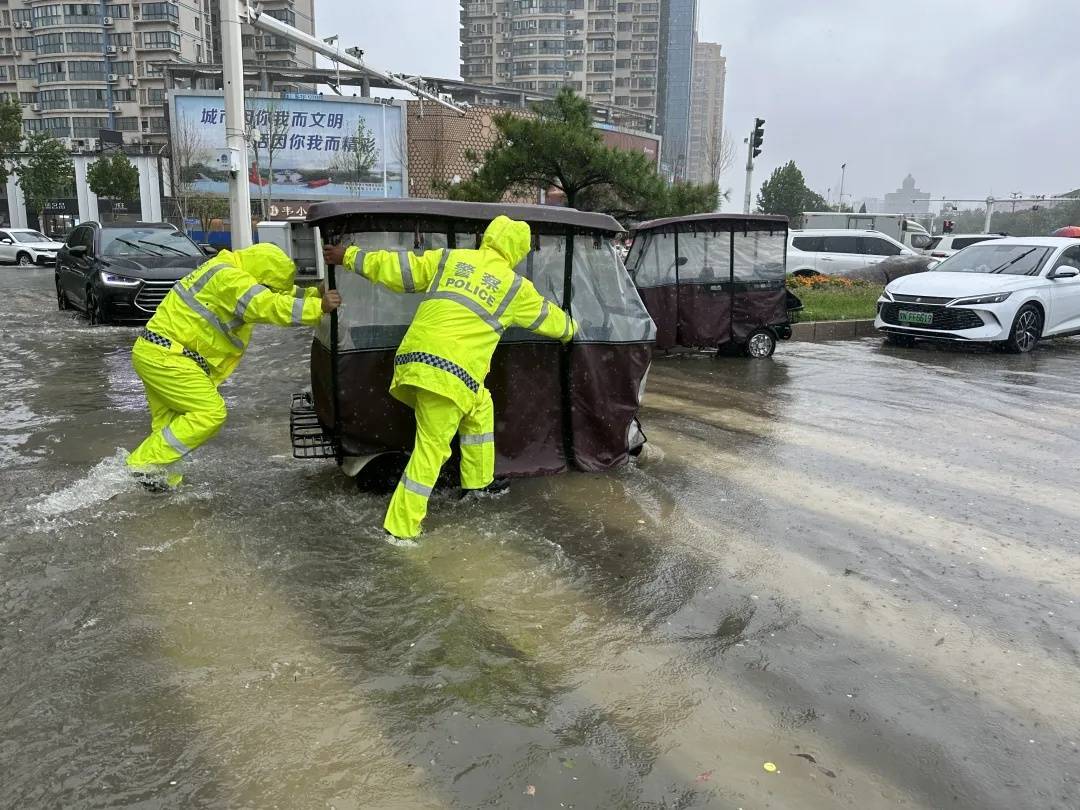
<point x="818" y="331"/>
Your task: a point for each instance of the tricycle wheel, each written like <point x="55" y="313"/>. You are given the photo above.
<point x="760" y="344"/>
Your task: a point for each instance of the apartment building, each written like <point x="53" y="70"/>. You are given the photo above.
<point x="678" y="33"/>
<point x="706" y="113"/>
<point x="604" y="49"/>
<point x="78" y="68"/>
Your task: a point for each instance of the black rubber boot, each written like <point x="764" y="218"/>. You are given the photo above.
<point x="500" y="486"/>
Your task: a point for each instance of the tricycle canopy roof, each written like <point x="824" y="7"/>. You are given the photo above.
<point x="726" y="222"/>
<point x="449" y="209"/>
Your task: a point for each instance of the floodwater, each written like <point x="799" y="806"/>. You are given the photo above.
<point x="859" y="564"/>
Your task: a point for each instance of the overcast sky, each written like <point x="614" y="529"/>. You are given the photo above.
<point x="972" y="97"/>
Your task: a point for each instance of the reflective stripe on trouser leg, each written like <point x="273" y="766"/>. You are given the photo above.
<point x="437" y="420"/>
<point x="477" y="441"/>
<point x="178" y="389"/>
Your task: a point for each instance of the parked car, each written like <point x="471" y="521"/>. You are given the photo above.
<point x="1011" y="291"/>
<point x="122" y="272"/>
<point x="839" y="252"/>
<point x="944" y="246"/>
<point x="26" y="246"/>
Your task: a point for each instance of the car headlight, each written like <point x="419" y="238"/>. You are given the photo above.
<point x="114" y="280"/>
<point x="886" y="295"/>
<point x="996" y="298"/>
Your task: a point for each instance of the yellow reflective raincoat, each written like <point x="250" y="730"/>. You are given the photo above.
<point x="471" y="298"/>
<point x="197" y="337"/>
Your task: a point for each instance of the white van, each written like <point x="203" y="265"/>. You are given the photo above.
<point x="897" y="226"/>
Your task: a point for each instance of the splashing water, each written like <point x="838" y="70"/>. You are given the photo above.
<point x="106" y="479"/>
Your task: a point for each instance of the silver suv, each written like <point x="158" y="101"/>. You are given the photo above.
<point x="839" y="252"/>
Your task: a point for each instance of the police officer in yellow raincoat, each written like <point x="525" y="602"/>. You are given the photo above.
<point x="472" y="296"/>
<point x="195" y="341"/>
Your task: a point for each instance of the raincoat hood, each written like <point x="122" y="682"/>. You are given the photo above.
<point x="509" y="238"/>
<point x="266" y="263"/>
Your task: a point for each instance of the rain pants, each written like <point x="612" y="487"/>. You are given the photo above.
<point x="196" y="338"/>
<point x="471" y="297"/>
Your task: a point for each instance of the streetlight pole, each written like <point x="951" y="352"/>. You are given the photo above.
<point x="749" y="173"/>
<point x="840" y="202"/>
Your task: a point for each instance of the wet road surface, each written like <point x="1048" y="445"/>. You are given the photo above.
<point x="857" y="563"/>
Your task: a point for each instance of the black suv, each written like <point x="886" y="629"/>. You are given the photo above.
<point x="122" y="272"/>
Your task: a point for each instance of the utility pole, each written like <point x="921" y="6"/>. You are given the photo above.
<point x="757" y="136"/>
<point x="843" y="171"/>
<point x="235" y="141"/>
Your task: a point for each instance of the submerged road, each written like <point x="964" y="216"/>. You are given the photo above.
<point x="859" y="564"/>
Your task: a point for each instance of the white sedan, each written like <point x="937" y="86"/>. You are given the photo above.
<point x="1010" y="291"/>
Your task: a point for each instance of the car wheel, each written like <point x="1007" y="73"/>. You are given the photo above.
<point x="904" y="341"/>
<point x="805" y="273"/>
<point x="62" y="302"/>
<point x="1026" y="330"/>
<point x="760" y="344"/>
<point x="24" y="260"/>
<point x="96" y="312"/>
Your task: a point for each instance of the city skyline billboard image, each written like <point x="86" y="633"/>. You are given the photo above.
<point x="301" y="146"/>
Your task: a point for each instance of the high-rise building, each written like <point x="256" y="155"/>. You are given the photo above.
<point x="606" y="50"/>
<point x="268" y="50"/>
<point x="78" y="68"/>
<point x="678" y="32"/>
<point x="706" y="114"/>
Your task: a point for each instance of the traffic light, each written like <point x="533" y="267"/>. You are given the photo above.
<point x="758" y="136"/>
<point x="947" y="226"/>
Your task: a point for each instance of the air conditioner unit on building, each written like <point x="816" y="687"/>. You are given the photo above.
<point x="106" y="20"/>
<point x="16" y="24"/>
<point x="130" y="77"/>
<point x="115" y="108"/>
<point x="124" y="49"/>
<point x="112" y="77"/>
<point x="569" y="73"/>
<point x="133" y="82"/>
<point x="112" y="50"/>
<point x="16" y="52"/>
<point x="35" y="107"/>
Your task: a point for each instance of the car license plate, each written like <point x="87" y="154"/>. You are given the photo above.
<point x="909" y="316"/>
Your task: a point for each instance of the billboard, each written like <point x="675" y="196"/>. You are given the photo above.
<point x="301" y="146"/>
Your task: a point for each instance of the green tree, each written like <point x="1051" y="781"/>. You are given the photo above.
<point x="11" y="135"/>
<point x="209" y="210"/>
<point x="559" y="148"/>
<point x="785" y="192"/>
<point x="45" y="172"/>
<point x="352" y="166"/>
<point x="114" y="177"/>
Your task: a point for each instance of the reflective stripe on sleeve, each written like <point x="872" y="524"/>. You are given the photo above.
<point x="514" y="287"/>
<point x="442" y="267"/>
<point x="465" y="301"/>
<point x="543" y="317"/>
<point x="406" y="271"/>
<point x="174" y="442"/>
<point x="245" y="299"/>
<point x="413" y="486"/>
<point x="566" y="331"/>
<point x="478" y="438"/>
<point x="298" y="312"/>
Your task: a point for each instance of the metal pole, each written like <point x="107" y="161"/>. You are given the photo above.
<point x="840" y="202"/>
<point x="232" y="59"/>
<point x="989" y="214"/>
<point x="749" y="171"/>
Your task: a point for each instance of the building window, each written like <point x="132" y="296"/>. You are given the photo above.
<point x="119" y="10"/>
<point x="82" y="13"/>
<point x="122" y="68"/>
<point x="27" y="71"/>
<point x="548" y="68"/>
<point x="49" y="43"/>
<point x="50" y="72"/>
<point x="24" y="43"/>
<point x="88" y="127"/>
<point x="160" y="11"/>
<point x="84" y="41"/>
<point x="120" y="40"/>
<point x="48" y="15"/>
<point x="30" y="97"/>
<point x="53" y="99"/>
<point x="153" y="95"/>
<point x="157" y="124"/>
<point x="57" y="127"/>
<point x="601" y="45"/>
<point x="23" y="15"/>
<point x="127" y="94"/>
<point x="285" y="15"/>
<point x="127" y="124"/>
<point x="86" y="99"/>
<point x="160" y="40"/>
<point x="601" y="66"/>
<point x="87" y="71"/>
